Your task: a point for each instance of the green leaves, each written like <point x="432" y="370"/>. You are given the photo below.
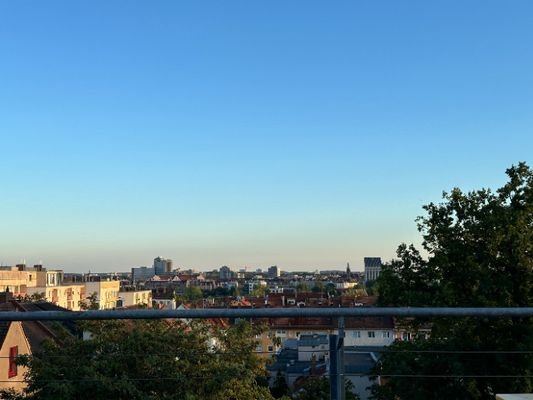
<point x="480" y="247"/>
<point x="149" y="360"/>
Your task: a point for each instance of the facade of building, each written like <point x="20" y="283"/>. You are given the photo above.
<point x="225" y="273"/>
<point x="162" y="265"/>
<point x="106" y="292"/>
<point x="141" y="274"/>
<point x="164" y="301"/>
<point x="274" y="272"/>
<point x="372" y="268"/>
<point x="13" y="343"/>
<point x="375" y="331"/>
<point x="313" y="347"/>
<point x="66" y="296"/>
<point x="17" y="279"/>
<point x="132" y="298"/>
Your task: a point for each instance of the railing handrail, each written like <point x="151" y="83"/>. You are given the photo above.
<point x="404" y="312"/>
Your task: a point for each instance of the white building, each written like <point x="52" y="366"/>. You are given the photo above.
<point x="106" y="293"/>
<point x="132" y="298"/>
<point x="369" y="331"/>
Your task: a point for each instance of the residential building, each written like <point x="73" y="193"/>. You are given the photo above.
<point x="164" y="299"/>
<point x="16" y="281"/>
<point x="27" y="337"/>
<point x="313" y="347"/>
<point x="131" y="298"/>
<point x="12" y="343"/>
<point x="369" y="331"/>
<point x="106" y="292"/>
<point x="66" y="296"/>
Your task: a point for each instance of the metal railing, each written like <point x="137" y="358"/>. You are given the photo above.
<point x="404" y="312"/>
<point x="336" y="342"/>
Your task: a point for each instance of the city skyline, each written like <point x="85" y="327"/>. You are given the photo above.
<point x="297" y="134"/>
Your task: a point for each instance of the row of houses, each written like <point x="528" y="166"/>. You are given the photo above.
<point x="358" y="332"/>
<point x="40" y="283"/>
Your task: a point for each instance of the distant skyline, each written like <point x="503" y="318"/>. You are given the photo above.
<point x="301" y="134"/>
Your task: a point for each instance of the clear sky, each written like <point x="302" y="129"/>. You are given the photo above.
<point x="250" y="133"/>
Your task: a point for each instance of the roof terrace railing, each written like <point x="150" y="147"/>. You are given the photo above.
<point x="404" y="312"/>
<point x="336" y="341"/>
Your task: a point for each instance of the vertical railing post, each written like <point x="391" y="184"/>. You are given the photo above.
<point x="340" y="361"/>
<point x="336" y="363"/>
<point x="333" y="365"/>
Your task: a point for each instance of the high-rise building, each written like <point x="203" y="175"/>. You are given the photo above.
<point x="372" y="268"/>
<point x="225" y="273"/>
<point x="162" y="265"/>
<point x="274" y="272"/>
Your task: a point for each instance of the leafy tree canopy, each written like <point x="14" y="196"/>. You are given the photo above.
<point x="480" y="253"/>
<point x="148" y="360"/>
<point x="318" y="388"/>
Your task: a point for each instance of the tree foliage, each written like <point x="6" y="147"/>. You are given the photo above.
<point x="193" y="293"/>
<point x="280" y="387"/>
<point x="318" y="388"/>
<point x="480" y="253"/>
<point x="148" y="360"/>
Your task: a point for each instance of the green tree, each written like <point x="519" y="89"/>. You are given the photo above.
<point x="480" y="253"/>
<point x="280" y="387"/>
<point x="318" y="388"/>
<point x="302" y="287"/>
<point x="148" y="360"/>
<point x="330" y="289"/>
<point x="91" y="303"/>
<point x="318" y="287"/>
<point x="259" y="291"/>
<point x="193" y="293"/>
<point x="36" y="297"/>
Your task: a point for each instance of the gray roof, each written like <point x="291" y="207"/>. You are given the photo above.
<point x="358" y="363"/>
<point x="313" y="340"/>
<point x="372" y="262"/>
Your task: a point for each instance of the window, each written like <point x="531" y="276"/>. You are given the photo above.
<point x="270" y="349"/>
<point x="386" y="334"/>
<point x="356" y="334"/>
<point x="13" y="353"/>
<point x="371" y="334"/>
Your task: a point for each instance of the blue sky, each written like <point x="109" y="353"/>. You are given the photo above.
<point x="250" y="133"/>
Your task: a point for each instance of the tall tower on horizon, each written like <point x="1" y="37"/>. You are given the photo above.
<point x="372" y="268"/>
<point x="162" y="265"/>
